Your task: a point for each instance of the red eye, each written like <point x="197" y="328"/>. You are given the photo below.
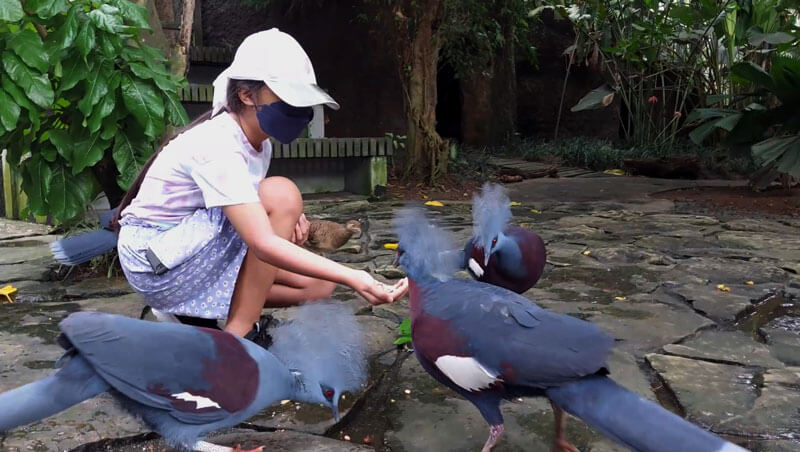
<point x="328" y="394"/>
<point x="494" y="242"/>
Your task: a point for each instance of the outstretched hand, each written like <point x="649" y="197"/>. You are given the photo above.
<point x="374" y="291"/>
<point x="300" y="234"/>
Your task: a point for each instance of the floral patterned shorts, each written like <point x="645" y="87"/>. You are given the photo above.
<point x="209" y="253"/>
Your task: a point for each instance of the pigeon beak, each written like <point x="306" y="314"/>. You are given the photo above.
<point x="335" y="411"/>
<point x="486" y="257"/>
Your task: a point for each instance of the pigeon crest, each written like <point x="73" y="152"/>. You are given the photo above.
<point x="334" y="356"/>
<point x="425" y="251"/>
<point x="491" y="213"/>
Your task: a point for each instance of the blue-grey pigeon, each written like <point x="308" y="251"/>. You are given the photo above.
<point x="498" y="253"/>
<point x="490" y="344"/>
<point x="185" y="381"/>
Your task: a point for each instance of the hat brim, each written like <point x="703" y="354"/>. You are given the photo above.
<point x="301" y="94"/>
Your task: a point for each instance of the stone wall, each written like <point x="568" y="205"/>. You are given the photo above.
<point x="360" y="71"/>
<point x="539" y="89"/>
<point x="353" y="64"/>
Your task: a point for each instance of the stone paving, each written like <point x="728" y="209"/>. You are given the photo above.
<point x="706" y="311"/>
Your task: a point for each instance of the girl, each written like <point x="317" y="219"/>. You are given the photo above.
<point x="203" y="233"/>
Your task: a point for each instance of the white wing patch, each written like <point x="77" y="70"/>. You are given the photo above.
<point x="466" y="372"/>
<point x="202" y="402"/>
<point x="475" y="268"/>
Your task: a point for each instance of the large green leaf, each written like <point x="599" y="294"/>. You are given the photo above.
<point x="106" y="18"/>
<point x="103" y="109"/>
<point x="95" y="87"/>
<point x="771" y="149"/>
<point x="48" y="8"/>
<point x="752" y="73"/>
<point x="786" y="79"/>
<point x="144" y="104"/>
<point x="10" y="11"/>
<point x="701" y="132"/>
<point x="701" y="114"/>
<point x="597" y="98"/>
<point x="88" y="152"/>
<point x="85" y="40"/>
<point x="9" y="111"/>
<point x="36" y="86"/>
<point x="789" y="163"/>
<point x="36" y="178"/>
<point x="134" y="14"/>
<point x="63" y="143"/>
<point x="129" y="156"/>
<point x="729" y="122"/>
<point x="69" y="194"/>
<point x="21" y="99"/>
<point x="757" y="39"/>
<point x="75" y="70"/>
<point x="65" y="35"/>
<point x="176" y="114"/>
<point x="27" y="44"/>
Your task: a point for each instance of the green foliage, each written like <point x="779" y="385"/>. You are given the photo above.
<point x="404" y="333"/>
<point x="768" y="125"/>
<point x="78" y="84"/>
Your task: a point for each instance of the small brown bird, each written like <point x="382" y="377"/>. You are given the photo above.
<point x="326" y="235"/>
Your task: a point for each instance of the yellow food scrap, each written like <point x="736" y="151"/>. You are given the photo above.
<point x="615" y="172"/>
<point x="514" y="203"/>
<point x="750" y="283"/>
<point x="536" y="211"/>
<point x="8" y="293"/>
<point x="434" y="203"/>
<point x="620" y="298"/>
<point x="723" y="288"/>
<point x="390" y="246"/>
<point x="587" y="252"/>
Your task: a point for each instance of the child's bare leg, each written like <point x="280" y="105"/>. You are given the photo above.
<point x="284" y="204"/>
<point x="290" y="289"/>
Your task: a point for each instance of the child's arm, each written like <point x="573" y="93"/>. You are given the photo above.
<point x="252" y="224"/>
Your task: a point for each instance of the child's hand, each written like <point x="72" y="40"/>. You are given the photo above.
<point x="375" y="291"/>
<point x="300" y="234"/>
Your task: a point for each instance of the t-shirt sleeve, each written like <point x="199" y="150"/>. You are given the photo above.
<point x="224" y="181"/>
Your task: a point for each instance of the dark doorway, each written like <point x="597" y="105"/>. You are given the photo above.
<point x="448" y="103"/>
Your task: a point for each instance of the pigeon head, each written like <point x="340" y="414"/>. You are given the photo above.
<point x="491" y="212"/>
<point x="423" y="250"/>
<point x="324" y="347"/>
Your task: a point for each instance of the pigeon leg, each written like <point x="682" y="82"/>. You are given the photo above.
<point x="560" y="444"/>
<point x="495" y="431"/>
<point x="204" y="446"/>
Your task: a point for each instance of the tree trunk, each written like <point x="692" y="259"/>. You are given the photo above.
<point x="105" y="171"/>
<point x="504" y="82"/>
<point x="489" y="97"/>
<point x="426" y="151"/>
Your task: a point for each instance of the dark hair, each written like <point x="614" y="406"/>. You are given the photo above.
<point x="235" y="105"/>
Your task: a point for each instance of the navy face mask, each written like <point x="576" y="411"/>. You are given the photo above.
<point x="282" y="121"/>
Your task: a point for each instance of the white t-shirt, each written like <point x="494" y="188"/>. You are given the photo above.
<point x="212" y="164"/>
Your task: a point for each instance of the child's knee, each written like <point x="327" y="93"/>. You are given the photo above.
<point x="280" y="195"/>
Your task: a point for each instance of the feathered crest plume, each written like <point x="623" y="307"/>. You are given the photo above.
<point x="426" y="249"/>
<point x="491" y="212"/>
<point x="323" y="340"/>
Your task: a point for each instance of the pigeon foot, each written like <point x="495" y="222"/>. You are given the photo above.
<point x="495" y="432"/>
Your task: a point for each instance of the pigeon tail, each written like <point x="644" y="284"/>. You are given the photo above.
<point x="72" y="384"/>
<point x="77" y="249"/>
<point x="633" y="421"/>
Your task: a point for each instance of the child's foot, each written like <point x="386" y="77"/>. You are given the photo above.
<point x="259" y="333"/>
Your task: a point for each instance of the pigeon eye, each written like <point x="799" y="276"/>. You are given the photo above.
<point x="327" y="392"/>
<point x="494" y="242"/>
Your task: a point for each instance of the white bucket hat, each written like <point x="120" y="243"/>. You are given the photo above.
<point x="276" y="58"/>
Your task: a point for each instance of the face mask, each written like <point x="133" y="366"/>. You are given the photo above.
<point x="282" y="121"/>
